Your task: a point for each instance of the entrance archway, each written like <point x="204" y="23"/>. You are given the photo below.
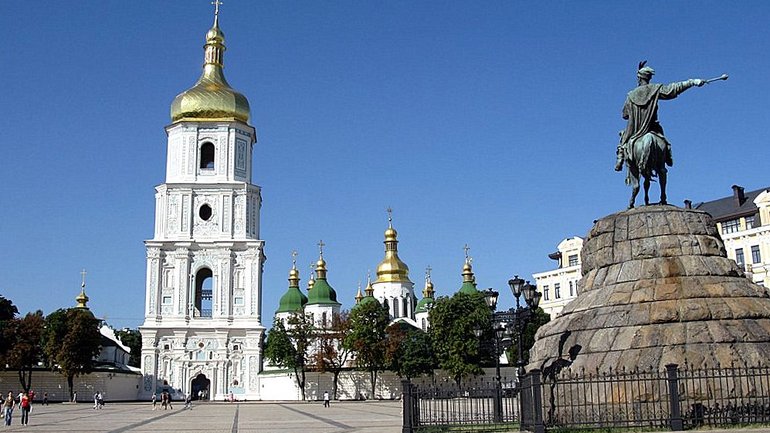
<point x="199" y="387"/>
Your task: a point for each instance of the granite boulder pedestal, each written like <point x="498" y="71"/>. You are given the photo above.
<point x="657" y="289"/>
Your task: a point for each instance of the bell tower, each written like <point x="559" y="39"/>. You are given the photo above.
<point x="202" y="329"/>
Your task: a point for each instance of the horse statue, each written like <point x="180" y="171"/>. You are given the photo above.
<point x="646" y="157"/>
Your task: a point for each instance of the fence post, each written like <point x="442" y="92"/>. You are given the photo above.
<point x="406" y="406"/>
<point x="673" y="392"/>
<point x="537" y="401"/>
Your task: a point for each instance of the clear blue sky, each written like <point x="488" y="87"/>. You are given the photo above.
<point x="489" y="123"/>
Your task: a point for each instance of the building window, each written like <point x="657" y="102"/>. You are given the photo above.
<point x="573" y="260"/>
<point x="750" y="222"/>
<point x="739" y="258"/>
<point x="204" y="289"/>
<point x="571" y="289"/>
<point x="756" y="257"/>
<point x="557" y="290"/>
<point x="730" y="226"/>
<point x="167" y="300"/>
<point x="207" y="156"/>
<point x="238" y="300"/>
<point x="545" y="293"/>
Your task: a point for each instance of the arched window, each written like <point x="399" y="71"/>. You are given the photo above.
<point x="405" y="311"/>
<point x="204" y="287"/>
<point x="323" y="319"/>
<point x="207" y="156"/>
<point x="395" y="308"/>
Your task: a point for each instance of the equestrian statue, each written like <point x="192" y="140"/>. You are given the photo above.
<point x="643" y="147"/>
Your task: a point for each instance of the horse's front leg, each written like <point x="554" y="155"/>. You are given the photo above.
<point x="662" y="179"/>
<point x="646" y="190"/>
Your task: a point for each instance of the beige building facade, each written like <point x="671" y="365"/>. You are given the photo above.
<point x="560" y="286"/>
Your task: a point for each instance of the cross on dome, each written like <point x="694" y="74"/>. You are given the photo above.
<point x="389" y="210"/>
<point x="467" y="256"/>
<point x="216" y="4"/>
<point x="294" y="259"/>
<point x="321" y="246"/>
<point x="83" y="273"/>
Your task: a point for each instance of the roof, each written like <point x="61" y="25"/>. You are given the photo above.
<point x="726" y="208"/>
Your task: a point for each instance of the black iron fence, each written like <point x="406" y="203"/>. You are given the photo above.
<point x="674" y="399"/>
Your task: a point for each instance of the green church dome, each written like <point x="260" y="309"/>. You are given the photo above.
<point x="293" y="300"/>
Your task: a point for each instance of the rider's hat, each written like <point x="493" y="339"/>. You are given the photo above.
<point x="645" y="71"/>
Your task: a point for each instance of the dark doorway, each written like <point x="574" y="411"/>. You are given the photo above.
<point x="200" y="387"/>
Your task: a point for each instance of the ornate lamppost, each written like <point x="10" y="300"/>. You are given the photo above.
<point x="512" y="322"/>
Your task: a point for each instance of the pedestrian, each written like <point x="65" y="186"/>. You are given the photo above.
<point x="8" y="408"/>
<point x="74" y="396"/>
<point x="96" y="400"/>
<point x="326" y="398"/>
<point x="45" y="398"/>
<point x="154" y="400"/>
<point x="232" y="397"/>
<point x="168" y="400"/>
<point x="188" y="401"/>
<point x="99" y="400"/>
<point x="25" y="408"/>
<point x="18" y="398"/>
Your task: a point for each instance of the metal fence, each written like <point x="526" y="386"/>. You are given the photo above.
<point x="674" y="399"/>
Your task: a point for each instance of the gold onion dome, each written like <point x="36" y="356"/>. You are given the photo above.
<point x="211" y="98"/>
<point x="391" y="268"/>
<point x="469" y="279"/>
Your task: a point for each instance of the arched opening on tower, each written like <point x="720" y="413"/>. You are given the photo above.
<point x="199" y="387"/>
<point x="204" y="287"/>
<point x="207" y="156"/>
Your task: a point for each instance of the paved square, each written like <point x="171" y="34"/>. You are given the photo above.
<point x="218" y="417"/>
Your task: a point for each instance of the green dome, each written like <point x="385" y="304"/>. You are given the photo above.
<point x="468" y="288"/>
<point x="422" y="306"/>
<point x="292" y="301"/>
<point x="322" y="293"/>
<point x="366" y="300"/>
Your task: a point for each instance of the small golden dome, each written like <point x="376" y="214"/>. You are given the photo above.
<point x="391" y="268"/>
<point x="211" y="98"/>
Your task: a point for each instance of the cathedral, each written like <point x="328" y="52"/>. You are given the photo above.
<point x="202" y="330"/>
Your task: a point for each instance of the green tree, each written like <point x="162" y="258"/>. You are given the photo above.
<point x="25" y="335"/>
<point x="332" y="355"/>
<point x="288" y="346"/>
<point x="452" y="324"/>
<point x="7" y="312"/>
<point x="133" y="339"/>
<point x="409" y="352"/>
<point x="366" y="339"/>
<point x="538" y="319"/>
<point x="72" y="340"/>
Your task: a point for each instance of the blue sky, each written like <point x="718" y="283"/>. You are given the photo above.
<point x="488" y="123"/>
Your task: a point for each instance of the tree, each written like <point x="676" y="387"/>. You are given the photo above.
<point x="133" y="339"/>
<point x="288" y="346"/>
<point x="25" y="335"/>
<point x="332" y="355"/>
<point x="452" y="324"/>
<point x="366" y="339"/>
<point x="538" y="319"/>
<point x="7" y="312"/>
<point x="72" y="340"/>
<point x="409" y="352"/>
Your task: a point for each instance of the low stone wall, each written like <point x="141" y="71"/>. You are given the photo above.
<point x="113" y="386"/>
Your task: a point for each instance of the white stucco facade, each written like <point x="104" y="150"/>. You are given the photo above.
<point x="560" y="286"/>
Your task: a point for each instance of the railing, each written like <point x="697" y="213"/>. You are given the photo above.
<point x="674" y="399"/>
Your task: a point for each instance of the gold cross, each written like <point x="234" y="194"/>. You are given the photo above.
<point x="389" y="210"/>
<point x="321" y="246"/>
<point x="427" y="272"/>
<point x="83" y="273"/>
<point x="216" y="4"/>
<point x="466" y="248"/>
<point x="294" y="259"/>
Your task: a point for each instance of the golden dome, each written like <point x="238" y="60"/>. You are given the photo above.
<point x="211" y="98"/>
<point x="391" y="268"/>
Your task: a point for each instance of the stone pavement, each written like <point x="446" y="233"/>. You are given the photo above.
<point x="281" y="417"/>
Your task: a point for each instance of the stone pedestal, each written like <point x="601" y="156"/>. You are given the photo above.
<point x="657" y="288"/>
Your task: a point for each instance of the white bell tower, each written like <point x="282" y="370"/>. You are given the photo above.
<point x="202" y="331"/>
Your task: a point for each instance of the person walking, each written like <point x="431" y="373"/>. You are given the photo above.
<point x="8" y="408"/>
<point x="26" y="405"/>
<point x="168" y="400"/>
<point x="45" y="398"/>
<point x="326" y="398"/>
<point x="188" y="401"/>
<point x="154" y="400"/>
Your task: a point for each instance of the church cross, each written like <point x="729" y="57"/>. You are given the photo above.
<point x="389" y="210"/>
<point x="216" y="4"/>
<point x="294" y="259"/>
<point x="427" y="272"/>
<point x="83" y="273"/>
<point x="466" y="248"/>
<point x="321" y="246"/>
